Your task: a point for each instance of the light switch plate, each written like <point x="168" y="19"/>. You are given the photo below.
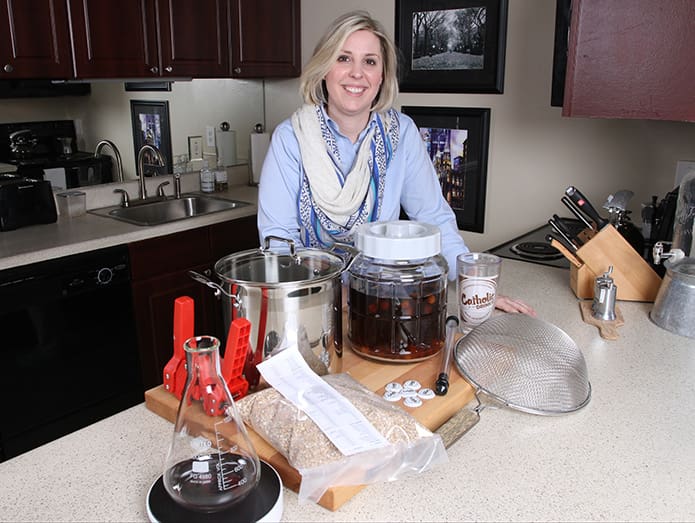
<point x="210" y="135"/>
<point x="195" y="148"/>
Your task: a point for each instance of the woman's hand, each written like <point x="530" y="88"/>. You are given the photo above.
<point x="507" y="304"/>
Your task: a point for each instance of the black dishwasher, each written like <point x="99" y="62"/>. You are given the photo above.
<point x="68" y="347"/>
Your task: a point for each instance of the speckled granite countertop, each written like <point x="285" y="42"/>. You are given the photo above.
<point x="627" y="456"/>
<point x="89" y="232"/>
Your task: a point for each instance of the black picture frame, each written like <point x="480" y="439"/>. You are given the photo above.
<point x="151" y="125"/>
<point x="463" y="177"/>
<point x="467" y="54"/>
<point x="563" y="13"/>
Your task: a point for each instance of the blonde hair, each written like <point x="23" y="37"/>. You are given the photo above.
<point x="329" y="47"/>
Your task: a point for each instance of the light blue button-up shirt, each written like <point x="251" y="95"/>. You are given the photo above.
<point x="411" y="182"/>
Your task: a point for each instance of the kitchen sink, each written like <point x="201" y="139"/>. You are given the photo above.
<point x="161" y="211"/>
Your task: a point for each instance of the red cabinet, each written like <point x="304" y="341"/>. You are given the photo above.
<point x="631" y="60"/>
<point x="34" y="40"/>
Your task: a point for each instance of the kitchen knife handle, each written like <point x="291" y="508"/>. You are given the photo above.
<point x="565" y="230"/>
<point x="560" y="246"/>
<point x="557" y="229"/>
<point x="577" y="197"/>
<point x="572" y="207"/>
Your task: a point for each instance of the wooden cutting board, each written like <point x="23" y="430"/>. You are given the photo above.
<point x="373" y="375"/>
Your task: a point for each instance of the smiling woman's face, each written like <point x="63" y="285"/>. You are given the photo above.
<point x="354" y="80"/>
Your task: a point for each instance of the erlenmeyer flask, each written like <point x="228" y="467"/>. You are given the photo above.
<point x="211" y="463"/>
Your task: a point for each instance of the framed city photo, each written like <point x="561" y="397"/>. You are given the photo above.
<point x="452" y="46"/>
<point x="151" y="126"/>
<point x="457" y="140"/>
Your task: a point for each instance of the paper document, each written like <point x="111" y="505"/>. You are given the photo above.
<point x="340" y="421"/>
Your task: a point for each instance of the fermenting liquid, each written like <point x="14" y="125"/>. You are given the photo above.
<point x="409" y="328"/>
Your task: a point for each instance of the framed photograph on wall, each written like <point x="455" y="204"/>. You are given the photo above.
<point x="452" y="46"/>
<point x="457" y="140"/>
<point x="151" y="126"/>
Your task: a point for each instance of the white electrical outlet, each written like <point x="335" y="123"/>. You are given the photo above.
<point x="210" y="135"/>
<point x="195" y="148"/>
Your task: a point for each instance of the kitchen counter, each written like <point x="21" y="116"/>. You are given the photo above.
<point x="627" y="456"/>
<point x="89" y="232"/>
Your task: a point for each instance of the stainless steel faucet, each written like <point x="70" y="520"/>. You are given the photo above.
<point x="141" y="166"/>
<point x="116" y="153"/>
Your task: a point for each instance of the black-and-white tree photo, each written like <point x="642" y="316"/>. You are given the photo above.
<point x="449" y="39"/>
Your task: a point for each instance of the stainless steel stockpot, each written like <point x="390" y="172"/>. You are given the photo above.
<point x="675" y="301"/>
<point x="290" y="295"/>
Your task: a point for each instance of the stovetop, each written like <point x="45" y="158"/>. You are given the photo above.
<point x="534" y="248"/>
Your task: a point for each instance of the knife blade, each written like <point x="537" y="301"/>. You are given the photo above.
<point x="562" y="234"/>
<point x="577" y="197"/>
<point x="576" y="211"/>
<point x="564" y="249"/>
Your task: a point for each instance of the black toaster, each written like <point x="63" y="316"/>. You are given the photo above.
<point x="25" y="201"/>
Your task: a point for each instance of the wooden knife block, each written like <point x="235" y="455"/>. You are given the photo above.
<point x="633" y="276"/>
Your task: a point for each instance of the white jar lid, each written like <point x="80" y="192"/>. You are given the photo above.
<point x="398" y="240"/>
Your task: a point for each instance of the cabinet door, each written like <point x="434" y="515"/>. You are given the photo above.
<point x="114" y="38"/>
<point x="265" y="38"/>
<point x="153" y="303"/>
<point x="194" y="38"/>
<point x="233" y="236"/>
<point x="34" y="39"/>
<point x="159" y="269"/>
<point x="631" y="60"/>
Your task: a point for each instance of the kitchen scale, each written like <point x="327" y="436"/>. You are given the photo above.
<point x="264" y="503"/>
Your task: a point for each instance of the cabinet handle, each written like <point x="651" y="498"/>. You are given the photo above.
<point x="154" y="70"/>
<point x="237" y="70"/>
<point x="168" y="69"/>
<point x="8" y="68"/>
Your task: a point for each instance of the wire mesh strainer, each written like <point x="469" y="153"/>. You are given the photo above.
<point x="526" y="363"/>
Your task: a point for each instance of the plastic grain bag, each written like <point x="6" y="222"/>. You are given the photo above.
<point x="412" y="448"/>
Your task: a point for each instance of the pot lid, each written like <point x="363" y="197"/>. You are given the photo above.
<point x="398" y="240"/>
<point x="280" y="266"/>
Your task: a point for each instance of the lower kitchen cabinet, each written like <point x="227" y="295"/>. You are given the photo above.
<point x="160" y="275"/>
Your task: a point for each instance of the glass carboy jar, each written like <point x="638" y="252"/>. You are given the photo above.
<point x="397" y="295"/>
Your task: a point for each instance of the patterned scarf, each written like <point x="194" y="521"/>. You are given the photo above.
<point x="331" y="204"/>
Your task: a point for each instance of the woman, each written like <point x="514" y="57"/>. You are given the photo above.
<point x="347" y="157"/>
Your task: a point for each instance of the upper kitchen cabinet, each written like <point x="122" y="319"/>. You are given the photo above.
<point x="265" y="38"/>
<point x="149" y="38"/>
<point x="631" y="60"/>
<point x="34" y="40"/>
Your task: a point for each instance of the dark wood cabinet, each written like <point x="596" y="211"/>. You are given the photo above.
<point x="193" y="38"/>
<point x="34" y="40"/>
<point x="631" y="60"/>
<point x="265" y="38"/>
<point x="159" y="270"/>
<point x="149" y="38"/>
<point x="121" y="39"/>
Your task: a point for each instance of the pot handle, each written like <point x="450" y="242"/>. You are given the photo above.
<point x="346" y="251"/>
<point x="293" y="249"/>
<point x="201" y="278"/>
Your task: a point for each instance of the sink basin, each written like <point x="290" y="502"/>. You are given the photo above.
<point x="164" y="211"/>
